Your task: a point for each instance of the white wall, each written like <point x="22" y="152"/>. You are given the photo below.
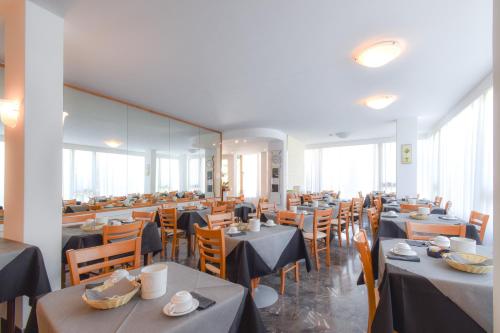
<point x="406" y="174"/>
<point x="295" y="158"/>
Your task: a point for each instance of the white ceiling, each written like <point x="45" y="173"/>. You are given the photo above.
<point x="284" y="64"/>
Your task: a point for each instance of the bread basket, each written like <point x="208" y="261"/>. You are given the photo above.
<point x="113" y="302"/>
<point x="475" y="269"/>
<point x="417" y="216"/>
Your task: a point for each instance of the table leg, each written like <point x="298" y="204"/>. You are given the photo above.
<point x="189" y="241"/>
<point x="11" y="316"/>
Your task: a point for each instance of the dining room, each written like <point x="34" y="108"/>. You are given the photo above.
<point x="249" y="166"/>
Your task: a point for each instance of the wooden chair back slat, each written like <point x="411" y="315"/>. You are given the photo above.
<point x="479" y="220"/>
<point x="220" y="221"/>
<point x="119" y="232"/>
<point x="424" y="231"/>
<point x="373" y="218"/>
<point x="291" y="219"/>
<point x="219" y="209"/>
<point x="143" y="216"/>
<point x="322" y="220"/>
<point x="78" y="218"/>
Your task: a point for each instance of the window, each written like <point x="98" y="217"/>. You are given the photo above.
<point x="196" y="174"/>
<point x="167" y="174"/>
<point x="251" y="179"/>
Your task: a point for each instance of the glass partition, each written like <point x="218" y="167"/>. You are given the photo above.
<point x="112" y="149"/>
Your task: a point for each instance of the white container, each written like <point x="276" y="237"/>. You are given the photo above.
<point x="182" y="301"/>
<point x="154" y="281"/>
<point x="254" y="225"/>
<point x="293" y="209"/>
<point x="460" y="244"/>
<point x="424" y="210"/>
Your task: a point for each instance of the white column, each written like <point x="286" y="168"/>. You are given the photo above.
<point x="496" y="163"/>
<point x="406" y="173"/>
<point x="33" y="154"/>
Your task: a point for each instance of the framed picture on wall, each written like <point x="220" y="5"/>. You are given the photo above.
<point x="276" y="173"/>
<point x="275" y="188"/>
<point x="406" y="152"/>
<point x="210" y="175"/>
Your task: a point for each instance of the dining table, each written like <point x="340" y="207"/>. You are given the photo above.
<point x="22" y="273"/>
<point x="73" y="237"/>
<point x="254" y="254"/>
<point x="308" y="218"/>
<point x="431" y="296"/>
<point x="242" y="210"/>
<point x="233" y="311"/>
<point x="395" y="205"/>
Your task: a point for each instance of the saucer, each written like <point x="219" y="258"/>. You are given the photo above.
<point x="270" y="225"/>
<point x="231" y="233"/>
<point x="410" y="253"/>
<point x="390" y="215"/>
<point x="168" y="309"/>
<point x="446" y="217"/>
<point x="440" y="246"/>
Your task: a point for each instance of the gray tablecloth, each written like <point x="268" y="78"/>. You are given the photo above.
<point x="10" y="250"/>
<point x="401" y="219"/>
<point x="395" y="205"/>
<point x="269" y="242"/>
<point x="473" y="293"/>
<point x="64" y="310"/>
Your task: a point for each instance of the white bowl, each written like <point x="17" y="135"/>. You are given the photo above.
<point x="441" y="241"/>
<point x="182" y="301"/>
<point x="460" y="244"/>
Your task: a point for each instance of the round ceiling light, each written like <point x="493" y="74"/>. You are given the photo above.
<point x="113" y="143"/>
<point x="378" y="54"/>
<point x="379" y="102"/>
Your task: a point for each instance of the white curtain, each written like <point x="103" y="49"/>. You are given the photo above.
<point x="350" y="169"/>
<point x="251" y="175"/>
<point x="456" y="162"/>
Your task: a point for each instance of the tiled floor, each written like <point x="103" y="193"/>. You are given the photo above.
<point x="324" y="301"/>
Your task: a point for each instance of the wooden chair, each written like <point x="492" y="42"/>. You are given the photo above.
<point x="307" y="198"/>
<point x="377" y="203"/>
<point x="168" y="227"/>
<point x="373" y="218"/>
<point x="143" y="216"/>
<point x="208" y="203"/>
<point x="322" y="221"/>
<point x="220" y="221"/>
<point x="437" y="201"/>
<point x="211" y="244"/>
<point x="230" y="206"/>
<point x="265" y="207"/>
<point x="479" y="220"/>
<point x="424" y="231"/>
<point x="293" y="202"/>
<point x="78" y="218"/>
<point x="115" y="233"/>
<point x="408" y="208"/>
<point x="360" y="195"/>
<point x="361" y="242"/>
<point x="357" y="212"/>
<point x="293" y="220"/>
<point x="125" y="253"/>
<point x="69" y="202"/>
<point x="218" y="209"/>
<point x="342" y="221"/>
<point x="447" y="207"/>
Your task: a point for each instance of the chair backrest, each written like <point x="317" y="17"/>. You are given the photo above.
<point x="437" y="201"/>
<point x="448" y="205"/>
<point x="377" y="203"/>
<point x="373" y="218"/>
<point x="425" y="231"/>
<point x="78" y="218"/>
<point x="480" y="220"/>
<point x="322" y="219"/>
<point x="143" y="216"/>
<point x="293" y="202"/>
<point x="408" y="208"/>
<point x="211" y="244"/>
<point x="291" y="219"/>
<point x="168" y="219"/>
<point x="220" y="221"/>
<point x="344" y="211"/>
<point x="119" y="232"/>
<point x="207" y="203"/>
<point x="357" y="206"/>
<point x="128" y="252"/>
<point x="230" y="206"/>
<point x="363" y="248"/>
<point x="265" y="207"/>
<point x="218" y="209"/>
<point x="69" y="202"/>
<point x="307" y="197"/>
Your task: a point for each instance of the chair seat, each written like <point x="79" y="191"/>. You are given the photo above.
<point x="310" y="235"/>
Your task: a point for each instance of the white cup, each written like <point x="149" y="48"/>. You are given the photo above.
<point x="402" y="248"/>
<point x="154" y="281"/>
<point x="182" y="301"/>
<point x="442" y="241"/>
<point x="254" y="225"/>
<point x="424" y="210"/>
<point x="270" y="222"/>
<point x="460" y="244"/>
<point x="232" y="230"/>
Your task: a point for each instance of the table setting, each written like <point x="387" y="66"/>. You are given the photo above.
<point x="256" y="249"/>
<point x="164" y="297"/>
<point x="422" y="284"/>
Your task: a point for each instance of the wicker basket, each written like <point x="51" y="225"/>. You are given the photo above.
<point x="92" y="227"/>
<point x="475" y="269"/>
<point x="417" y="216"/>
<point x="113" y="302"/>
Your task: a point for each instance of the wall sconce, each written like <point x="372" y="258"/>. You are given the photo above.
<point x="9" y="112"/>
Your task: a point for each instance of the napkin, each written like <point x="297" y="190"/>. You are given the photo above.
<point x="394" y="256"/>
<point x="416" y="243"/>
<point x="122" y="287"/>
<point x="241" y="233"/>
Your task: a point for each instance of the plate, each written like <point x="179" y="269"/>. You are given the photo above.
<point x="408" y="254"/>
<point x="169" y="313"/>
<point x="270" y="225"/>
<point x="233" y="233"/>
<point x="391" y="216"/>
<point x="450" y="218"/>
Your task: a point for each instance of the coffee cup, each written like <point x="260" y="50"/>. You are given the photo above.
<point x="442" y="241"/>
<point x="232" y="230"/>
<point x="154" y="281"/>
<point x="402" y="248"/>
<point x="270" y="222"/>
<point x="182" y="301"/>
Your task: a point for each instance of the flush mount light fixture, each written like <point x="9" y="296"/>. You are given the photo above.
<point x="113" y="143"/>
<point x="236" y="141"/>
<point x="9" y="112"/>
<point x="378" y="54"/>
<point x="379" y="102"/>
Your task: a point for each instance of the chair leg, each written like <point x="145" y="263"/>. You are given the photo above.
<point x="328" y="251"/>
<point x="347" y="232"/>
<point x="297" y="272"/>
<point x="174" y="247"/>
<point x="339" y="234"/>
<point x="316" y="254"/>
<point x="283" y="278"/>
